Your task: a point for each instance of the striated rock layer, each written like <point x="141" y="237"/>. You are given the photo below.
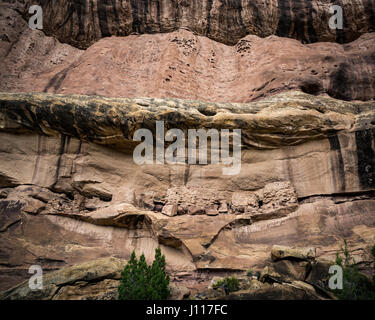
<point x="184" y="65"/>
<point x="81" y="23"/>
<point x="71" y="192"/>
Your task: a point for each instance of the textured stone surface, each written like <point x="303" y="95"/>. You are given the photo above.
<point x="92" y="280"/>
<point x="265" y="124"/>
<point x="81" y="23"/>
<point x="286" y="279"/>
<point x="281" y="252"/>
<point x="301" y="185"/>
<point x="182" y="64"/>
<point x="71" y="193"/>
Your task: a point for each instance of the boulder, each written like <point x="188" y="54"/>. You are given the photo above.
<point x="68" y="282"/>
<point x="106" y="289"/>
<point x="289" y="269"/>
<point x="319" y="274"/>
<point x="268" y="274"/>
<point x="283" y="252"/>
<point x="178" y="292"/>
<point x="170" y="210"/>
<point x="279" y="292"/>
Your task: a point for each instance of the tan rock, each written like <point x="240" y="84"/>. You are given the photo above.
<point x="195" y="211"/>
<point x="178" y="292"/>
<point x="279" y="292"/>
<point x="304" y="286"/>
<point x="106" y="289"/>
<point x="292" y="269"/>
<point x="212" y="211"/>
<point x="33" y="206"/>
<point x="268" y="274"/>
<point x="288" y="163"/>
<point x="282" y="252"/>
<point x="53" y="282"/>
<point x="174" y="65"/>
<point x="170" y="210"/>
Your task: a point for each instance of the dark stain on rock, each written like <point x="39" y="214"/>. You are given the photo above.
<point x="34" y="119"/>
<point x="145" y="10"/>
<point x="117" y="18"/>
<point x="240" y="9"/>
<point x="285" y="18"/>
<point x="37" y="161"/>
<point x="80" y="9"/>
<point x="57" y="80"/>
<point x="334" y="142"/>
<point x="209" y="8"/>
<point x="296" y="21"/>
<point x="311" y="36"/>
<point x="158" y="13"/>
<point x="102" y="14"/>
<point x="340" y="85"/>
<point x="136" y="25"/>
<point x="341" y="33"/>
<point x="58" y="165"/>
<point x="78" y="22"/>
<point x="10" y="206"/>
<point x="370" y="9"/>
<point x="366" y="158"/>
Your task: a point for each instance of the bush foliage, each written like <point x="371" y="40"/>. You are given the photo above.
<point x="142" y="282"/>
<point x="230" y="284"/>
<point x="356" y="286"/>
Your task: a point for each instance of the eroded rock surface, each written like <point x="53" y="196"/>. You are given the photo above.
<point x="71" y="193"/>
<point x="182" y="64"/>
<point x="67" y="168"/>
<point x="291" y="275"/>
<point x="97" y="279"/>
<point x="81" y="23"/>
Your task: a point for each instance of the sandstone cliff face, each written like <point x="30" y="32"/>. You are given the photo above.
<point x="310" y="183"/>
<point x="71" y="193"/>
<point x="181" y="64"/>
<point x="81" y="23"/>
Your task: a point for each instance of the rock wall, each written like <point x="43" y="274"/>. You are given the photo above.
<point x="81" y="23"/>
<point x="184" y="65"/>
<point x="71" y="193"/>
<point x="67" y="169"/>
